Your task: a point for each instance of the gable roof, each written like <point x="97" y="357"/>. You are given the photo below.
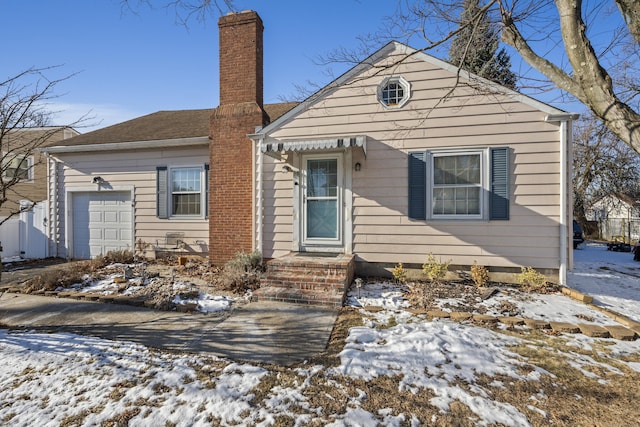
<point x="160" y="126"/>
<point x="410" y="52"/>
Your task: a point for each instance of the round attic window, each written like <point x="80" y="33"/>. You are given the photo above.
<point x="394" y="92"/>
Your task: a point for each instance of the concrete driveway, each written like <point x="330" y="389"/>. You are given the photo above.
<point x="266" y="332"/>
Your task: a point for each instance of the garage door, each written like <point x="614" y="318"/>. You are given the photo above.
<point x="101" y="223"/>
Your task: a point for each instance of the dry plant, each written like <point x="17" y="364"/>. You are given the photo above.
<point x="399" y="273"/>
<point x="479" y="274"/>
<point x="435" y="270"/>
<point x="241" y="273"/>
<point x="419" y="292"/>
<point x="531" y="279"/>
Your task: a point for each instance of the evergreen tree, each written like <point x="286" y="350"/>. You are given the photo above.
<point x="475" y="48"/>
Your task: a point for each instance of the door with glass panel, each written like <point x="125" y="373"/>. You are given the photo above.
<point x="322" y="198"/>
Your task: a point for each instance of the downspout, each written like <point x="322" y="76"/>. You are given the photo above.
<point x="52" y="185"/>
<point x="564" y="198"/>
<point x="259" y="198"/>
<point x="565" y="168"/>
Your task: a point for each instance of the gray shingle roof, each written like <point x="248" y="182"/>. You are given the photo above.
<point x="161" y="125"/>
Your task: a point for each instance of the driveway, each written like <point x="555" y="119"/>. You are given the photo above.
<point x="266" y="332"/>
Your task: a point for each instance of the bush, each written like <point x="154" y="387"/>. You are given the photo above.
<point x="532" y="279"/>
<point x="479" y="274"/>
<point x="242" y="272"/>
<point x="399" y="273"/>
<point x="435" y="270"/>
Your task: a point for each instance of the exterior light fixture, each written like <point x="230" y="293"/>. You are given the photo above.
<point x="358" y="166"/>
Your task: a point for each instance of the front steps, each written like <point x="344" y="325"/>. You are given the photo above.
<point x="305" y="278"/>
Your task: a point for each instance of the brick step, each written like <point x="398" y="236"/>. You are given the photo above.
<point x="316" y="270"/>
<point x="298" y="296"/>
<point x="309" y="286"/>
<point x="306" y="278"/>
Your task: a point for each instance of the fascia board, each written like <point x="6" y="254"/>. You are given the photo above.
<point x="133" y="145"/>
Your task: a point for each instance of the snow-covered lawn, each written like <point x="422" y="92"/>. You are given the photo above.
<point x="611" y="278"/>
<point x="395" y="368"/>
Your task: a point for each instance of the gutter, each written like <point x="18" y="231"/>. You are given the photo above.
<point x="566" y="259"/>
<point x="132" y="145"/>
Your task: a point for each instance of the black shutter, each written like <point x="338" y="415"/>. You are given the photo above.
<point x="162" y="196"/>
<point x="418" y="185"/>
<point x="499" y="198"/>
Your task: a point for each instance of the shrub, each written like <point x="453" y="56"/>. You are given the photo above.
<point x="119" y="257"/>
<point x="242" y="272"/>
<point x="531" y="278"/>
<point x="479" y="274"/>
<point x="399" y="273"/>
<point x="435" y="270"/>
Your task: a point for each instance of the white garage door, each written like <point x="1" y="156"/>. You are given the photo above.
<point x="101" y="223"/>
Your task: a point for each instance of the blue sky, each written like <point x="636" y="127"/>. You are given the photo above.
<point x="131" y="64"/>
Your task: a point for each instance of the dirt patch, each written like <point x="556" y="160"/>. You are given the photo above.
<point x="162" y="285"/>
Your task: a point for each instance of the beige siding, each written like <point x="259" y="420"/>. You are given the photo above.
<point x="135" y="170"/>
<point x="382" y="232"/>
<point x="28" y="141"/>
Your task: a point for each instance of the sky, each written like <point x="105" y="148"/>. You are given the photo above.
<point x="128" y="64"/>
<point x="124" y="64"/>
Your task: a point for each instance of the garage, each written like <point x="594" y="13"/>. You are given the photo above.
<point x="101" y="222"/>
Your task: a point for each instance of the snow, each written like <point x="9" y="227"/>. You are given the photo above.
<point x="611" y="278"/>
<point x="47" y="379"/>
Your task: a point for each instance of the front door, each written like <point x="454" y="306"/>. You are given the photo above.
<point x="322" y="201"/>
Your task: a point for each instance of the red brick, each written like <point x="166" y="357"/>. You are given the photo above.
<point x="240" y="112"/>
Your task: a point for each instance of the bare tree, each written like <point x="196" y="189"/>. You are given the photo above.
<point x="560" y="40"/>
<point x="24" y="106"/>
<point x="185" y="10"/>
<point x="602" y="166"/>
<point x="557" y="38"/>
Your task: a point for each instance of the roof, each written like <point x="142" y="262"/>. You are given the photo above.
<point x="161" y="125"/>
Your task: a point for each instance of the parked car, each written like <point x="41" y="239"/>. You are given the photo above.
<point x="578" y="235"/>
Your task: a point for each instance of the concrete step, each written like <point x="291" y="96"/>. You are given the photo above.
<point x="621" y="333"/>
<point x="537" y="324"/>
<point x="564" y="327"/>
<point x="594" y="331"/>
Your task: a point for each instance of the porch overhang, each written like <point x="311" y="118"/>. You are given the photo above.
<point x="274" y="147"/>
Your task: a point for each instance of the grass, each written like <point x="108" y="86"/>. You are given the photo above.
<point x="564" y="396"/>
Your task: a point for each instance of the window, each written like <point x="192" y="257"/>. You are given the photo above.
<point x="20" y="167"/>
<point x="182" y="191"/>
<point x="394" y="92"/>
<point x="186" y="194"/>
<point x="469" y="184"/>
<point x="456" y="188"/>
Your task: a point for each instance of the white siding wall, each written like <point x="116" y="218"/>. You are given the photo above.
<point x="382" y="231"/>
<point x="137" y="170"/>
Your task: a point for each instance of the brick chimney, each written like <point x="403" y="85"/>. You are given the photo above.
<point x="239" y="113"/>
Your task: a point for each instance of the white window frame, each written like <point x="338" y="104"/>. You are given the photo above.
<point x="331" y="242"/>
<point x="483" y="153"/>
<point x="17" y="157"/>
<point x="202" y="191"/>
<point x="406" y="88"/>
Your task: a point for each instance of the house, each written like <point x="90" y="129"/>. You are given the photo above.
<point x="615" y="217"/>
<point x="401" y="157"/>
<point x="23" y="232"/>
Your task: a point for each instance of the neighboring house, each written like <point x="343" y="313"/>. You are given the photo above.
<point x="617" y="217"/>
<point x="24" y="232"/>
<point x="400" y="157"/>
